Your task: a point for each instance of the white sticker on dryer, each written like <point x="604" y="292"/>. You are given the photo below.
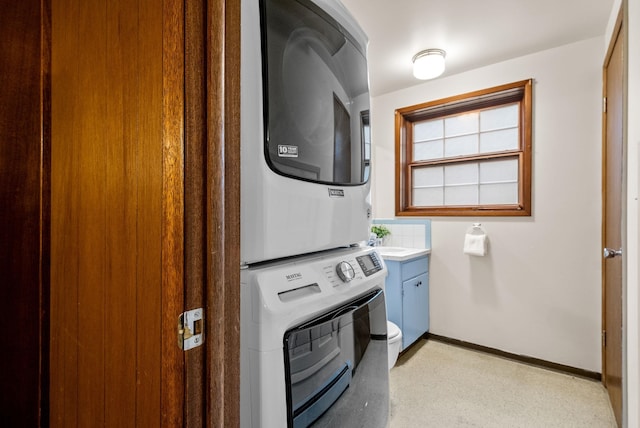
<point x="287" y="151"/>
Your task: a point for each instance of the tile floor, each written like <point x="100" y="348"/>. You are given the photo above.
<point x="440" y="385"/>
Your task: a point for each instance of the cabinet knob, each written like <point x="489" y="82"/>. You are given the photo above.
<point x="418" y="284"/>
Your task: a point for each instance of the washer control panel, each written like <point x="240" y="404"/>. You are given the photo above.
<point x="369" y="263"/>
<point x="345" y="271"/>
<point x="352" y="267"/>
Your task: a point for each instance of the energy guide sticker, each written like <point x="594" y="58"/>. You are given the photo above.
<point x="288" y="151"/>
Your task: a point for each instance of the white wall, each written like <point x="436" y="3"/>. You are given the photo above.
<point x="537" y="293"/>
<point x="632" y="244"/>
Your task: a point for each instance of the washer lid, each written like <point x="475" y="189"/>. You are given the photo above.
<point x="392" y="330"/>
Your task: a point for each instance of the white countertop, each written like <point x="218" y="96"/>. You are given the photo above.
<point x="400" y="254"/>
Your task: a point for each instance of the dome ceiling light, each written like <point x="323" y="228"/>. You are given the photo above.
<point x="428" y="64"/>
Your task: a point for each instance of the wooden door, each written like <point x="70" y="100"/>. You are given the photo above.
<point x="144" y="211"/>
<point x="612" y="372"/>
<point x="116" y="213"/>
<point x="24" y="212"/>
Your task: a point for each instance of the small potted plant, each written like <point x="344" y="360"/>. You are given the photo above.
<point x="381" y="231"/>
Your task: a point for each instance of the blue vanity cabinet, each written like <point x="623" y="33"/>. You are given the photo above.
<point x="407" y="293"/>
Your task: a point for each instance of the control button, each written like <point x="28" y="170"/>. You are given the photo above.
<point x="345" y="271"/>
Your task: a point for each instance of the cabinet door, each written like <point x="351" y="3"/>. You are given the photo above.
<point x="415" y="309"/>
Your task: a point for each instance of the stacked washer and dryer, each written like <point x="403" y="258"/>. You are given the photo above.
<point x="313" y="317"/>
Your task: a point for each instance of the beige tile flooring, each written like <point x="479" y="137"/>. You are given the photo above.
<point x="440" y="385"/>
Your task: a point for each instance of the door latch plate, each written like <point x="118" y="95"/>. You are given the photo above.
<point x="191" y="329"/>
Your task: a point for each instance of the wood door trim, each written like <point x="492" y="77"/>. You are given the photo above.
<point x="223" y="212"/>
<point x="212" y="208"/>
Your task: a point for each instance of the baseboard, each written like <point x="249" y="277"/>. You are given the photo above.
<point x="520" y="358"/>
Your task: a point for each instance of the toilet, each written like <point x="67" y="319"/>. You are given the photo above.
<point x="394" y="340"/>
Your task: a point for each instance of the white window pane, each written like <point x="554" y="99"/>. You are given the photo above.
<point x="462" y="124"/>
<point x="428" y="130"/>
<point x="497" y="141"/>
<point x="459" y="146"/>
<point x="499" y="171"/>
<point x="461" y="195"/>
<point x="428" y="176"/>
<point x="500" y="117"/>
<point x="429" y="150"/>
<point x="430" y="197"/>
<point x="367" y="151"/>
<point x="506" y="193"/>
<point x="466" y="173"/>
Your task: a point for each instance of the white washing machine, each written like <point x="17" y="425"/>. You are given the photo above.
<point x="304" y="116"/>
<point x="314" y="342"/>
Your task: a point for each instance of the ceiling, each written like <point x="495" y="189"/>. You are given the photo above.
<point x="474" y="33"/>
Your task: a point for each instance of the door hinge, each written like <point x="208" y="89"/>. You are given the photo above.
<point x="604" y="338"/>
<point x="191" y="329"/>
<point x="604" y="104"/>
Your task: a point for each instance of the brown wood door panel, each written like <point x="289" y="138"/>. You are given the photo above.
<point x="63" y="322"/>
<point x="173" y="287"/>
<point x="195" y="197"/>
<point x="146" y="212"/>
<point x="612" y="228"/>
<point x="149" y="333"/>
<point x="116" y="214"/>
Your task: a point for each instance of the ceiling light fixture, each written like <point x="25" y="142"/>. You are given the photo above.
<point x="428" y="64"/>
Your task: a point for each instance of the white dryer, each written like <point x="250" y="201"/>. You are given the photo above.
<point x="314" y="342"/>
<point x="304" y="121"/>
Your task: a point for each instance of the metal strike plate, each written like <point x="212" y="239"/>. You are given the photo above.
<point x="190" y="329"/>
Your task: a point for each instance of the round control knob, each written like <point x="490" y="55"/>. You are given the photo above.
<point x="345" y="271"/>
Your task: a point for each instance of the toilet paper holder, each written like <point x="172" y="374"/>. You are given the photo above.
<point x="476" y="229"/>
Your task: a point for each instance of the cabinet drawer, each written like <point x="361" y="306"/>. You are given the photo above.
<point x="415" y="267"/>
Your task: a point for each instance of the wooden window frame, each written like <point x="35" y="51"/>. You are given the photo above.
<point x="520" y="92"/>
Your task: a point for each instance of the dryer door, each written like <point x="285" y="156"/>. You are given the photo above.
<point x="316" y="95"/>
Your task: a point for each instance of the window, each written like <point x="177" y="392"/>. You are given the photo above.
<point x="468" y="155"/>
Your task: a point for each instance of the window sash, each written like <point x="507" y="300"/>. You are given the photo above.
<point x="441" y="140"/>
<point x="448" y="184"/>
